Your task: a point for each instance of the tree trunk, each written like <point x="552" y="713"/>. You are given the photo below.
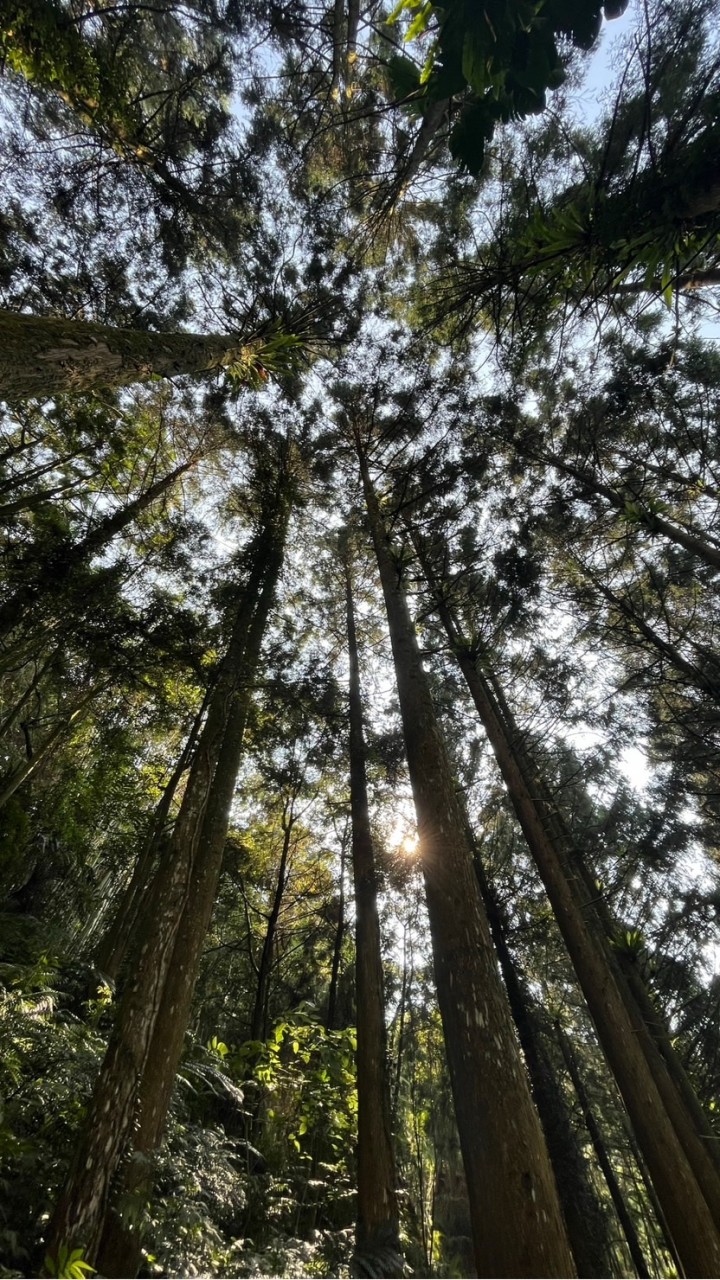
<point x="657" y="1027"/>
<point x="115" y="943"/>
<point x="259" y="1014"/>
<point x="603" y="1160"/>
<point x="683" y="1175"/>
<point x="119" y="1250"/>
<point x="584" y="1217"/>
<point x="331" y="1021"/>
<point x="80" y="1214"/>
<point x="377" y="1236"/>
<point x="45" y="356"/>
<point x="65" y="558"/>
<point x="339" y="54"/>
<point x="516" y="1218"/>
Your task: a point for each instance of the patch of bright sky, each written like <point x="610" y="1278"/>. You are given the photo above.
<point x="601" y="74"/>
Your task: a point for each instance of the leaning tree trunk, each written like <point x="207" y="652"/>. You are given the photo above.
<point x="259" y="1013"/>
<point x="585" y="1218"/>
<point x="119" y="1251"/>
<point x="113" y="946"/>
<point x="682" y="1104"/>
<point x="43" y="356"/>
<point x="80" y="1213"/>
<point x="684" y="1176"/>
<point x="377" y="1238"/>
<point x="613" y="1186"/>
<point x="658" y="1029"/>
<point x="63" y="560"/>
<point x="517" y="1223"/>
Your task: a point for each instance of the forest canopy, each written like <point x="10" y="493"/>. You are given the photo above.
<point x="359" y="669"/>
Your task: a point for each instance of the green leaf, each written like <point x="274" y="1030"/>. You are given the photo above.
<point x="400" y="8"/>
<point x="404" y="76"/>
<point x="419" y="22"/>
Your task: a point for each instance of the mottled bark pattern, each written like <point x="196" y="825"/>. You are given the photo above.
<point x="45" y="356"/>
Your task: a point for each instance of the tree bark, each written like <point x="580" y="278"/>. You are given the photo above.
<point x="377" y="1237"/>
<point x="603" y="1160"/>
<point x="43" y="356"/>
<point x="119" y="1248"/>
<point x="515" y="1213"/>
<point x="683" y="1174"/>
<point x="331" y="1020"/>
<point x="115" y="943"/>
<point x="180" y="895"/>
<point x="585" y="1220"/>
<point x="259" y="1013"/>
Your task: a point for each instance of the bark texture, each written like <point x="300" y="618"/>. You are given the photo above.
<point x="377" y="1239"/>
<point x="603" y="1160"/>
<point x="140" y="1065"/>
<point x="585" y="1219"/>
<point x="44" y="356"/>
<point x="682" y="1172"/>
<point x="119" y="1249"/>
<point x="517" y="1222"/>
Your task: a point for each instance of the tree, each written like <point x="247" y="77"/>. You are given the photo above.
<point x="496" y="1100"/>
<point x="510" y="303"/>
<point x="377" y="1243"/>
<point x="663" y="1143"/>
<point x="46" y="356"/>
<point x="172" y="925"/>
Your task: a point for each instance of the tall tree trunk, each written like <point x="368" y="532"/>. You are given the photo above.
<point x="339" y="54"/>
<point x="64" y="559"/>
<point x="377" y="1236"/>
<point x="515" y="1213"/>
<point x="45" y="356"/>
<point x="684" y="1177"/>
<point x="331" y="1020"/>
<point x="119" y="1251"/>
<point x="405" y="988"/>
<point x="586" y="1222"/>
<point x="115" y="943"/>
<point x="80" y="1213"/>
<point x="259" y="1014"/>
<point x="603" y="1160"/>
<point x="658" y="1029"/>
